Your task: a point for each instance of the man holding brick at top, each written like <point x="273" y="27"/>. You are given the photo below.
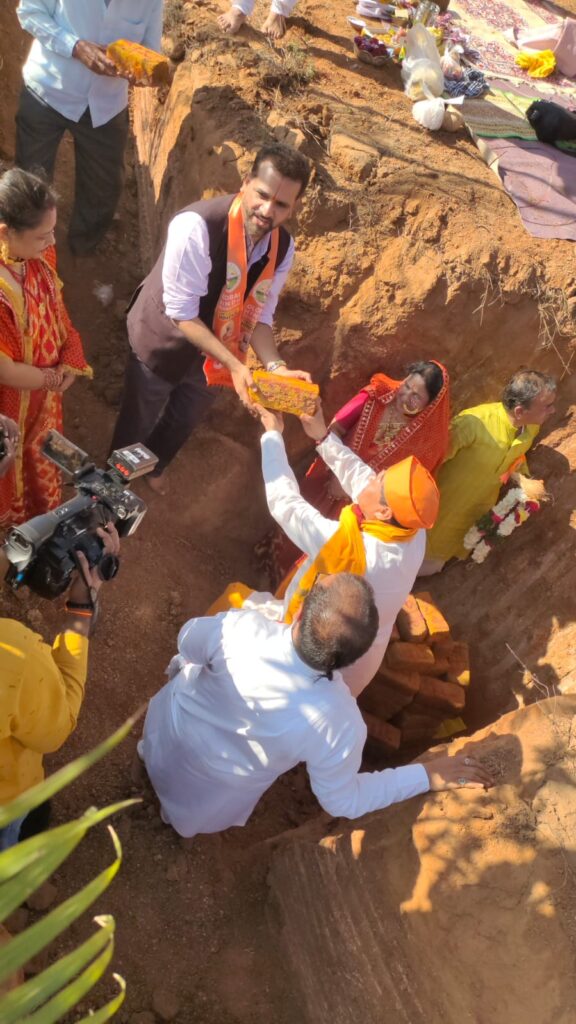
<point x="210" y="296"/>
<point x="381" y="536"/>
<point x="70" y="84"/>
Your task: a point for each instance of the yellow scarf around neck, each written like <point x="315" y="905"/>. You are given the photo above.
<point x="344" y="552"/>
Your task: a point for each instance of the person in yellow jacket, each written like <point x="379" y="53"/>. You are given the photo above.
<point x="487" y="444"/>
<point x="42" y="687"/>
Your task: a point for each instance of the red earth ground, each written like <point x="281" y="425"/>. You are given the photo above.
<point x="424" y="256"/>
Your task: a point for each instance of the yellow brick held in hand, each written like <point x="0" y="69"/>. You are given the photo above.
<point x="284" y="394"/>
<point x="438" y="628"/>
<point x="139" y="62"/>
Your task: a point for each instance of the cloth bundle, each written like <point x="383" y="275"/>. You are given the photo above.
<point x="538" y="65"/>
<point x="472" y="83"/>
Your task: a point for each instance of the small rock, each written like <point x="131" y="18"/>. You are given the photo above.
<point x="165" y="1004"/>
<point x="43" y="898"/>
<point x="178" y="869"/>
<point x="17" y="921"/>
<point x="357" y="159"/>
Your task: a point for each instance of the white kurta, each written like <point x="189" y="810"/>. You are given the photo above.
<point x="242" y="710"/>
<point x="390" y="568"/>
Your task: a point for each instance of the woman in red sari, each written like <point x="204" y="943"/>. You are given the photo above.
<point x="40" y="351"/>
<point x="387" y="421"/>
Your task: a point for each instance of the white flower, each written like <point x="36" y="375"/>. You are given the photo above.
<point x="472" y="538"/>
<point x="510" y="499"/>
<point x="507" y="526"/>
<point x="481" y="552"/>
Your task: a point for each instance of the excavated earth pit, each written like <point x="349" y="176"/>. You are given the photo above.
<point x="456" y="907"/>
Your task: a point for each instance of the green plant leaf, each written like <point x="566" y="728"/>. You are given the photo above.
<point x="109" y="1010"/>
<point x="29" y="863"/>
<point x="37" y="990"/>
<point x="44" y="790"/>
<point x="23" y="947"/>
<point x="66" y="1000"/>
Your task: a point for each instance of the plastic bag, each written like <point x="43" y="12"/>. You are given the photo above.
<point x="421" y="71"/>
<point x="429" y="113"/>
<point x="450" y="63"/>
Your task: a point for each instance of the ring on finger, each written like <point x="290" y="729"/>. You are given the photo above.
<point x="462" y="781"/>
<point x="467" y="761"/>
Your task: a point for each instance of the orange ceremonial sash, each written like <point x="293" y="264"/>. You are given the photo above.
<point x="235" y="317"/>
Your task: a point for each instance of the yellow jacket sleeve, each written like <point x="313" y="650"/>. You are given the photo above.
<point x="463" y="432"/>
<point x="51" y="692"/>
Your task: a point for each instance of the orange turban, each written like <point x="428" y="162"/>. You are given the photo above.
<point x="411" y="494"/>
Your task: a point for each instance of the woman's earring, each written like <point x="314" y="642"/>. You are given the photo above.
<point x="4" y="252"/>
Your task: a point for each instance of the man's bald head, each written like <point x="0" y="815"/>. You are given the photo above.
<point x="338" y="623"/>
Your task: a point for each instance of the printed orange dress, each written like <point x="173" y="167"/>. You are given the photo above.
<point x="370" y="426"/>
<point x="35" y="329"/>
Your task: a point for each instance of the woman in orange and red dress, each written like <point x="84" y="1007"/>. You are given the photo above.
<point x="40" y="351"/>
<point x="387" y="421"/>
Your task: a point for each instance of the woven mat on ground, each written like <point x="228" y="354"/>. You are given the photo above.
<point x="501" y="114"/>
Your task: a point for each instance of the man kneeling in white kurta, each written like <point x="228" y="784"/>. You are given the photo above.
<point x="382" y="536"/>
<point x="252" y="698"/>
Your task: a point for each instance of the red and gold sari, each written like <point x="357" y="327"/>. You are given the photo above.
<point x="35" y="329"/>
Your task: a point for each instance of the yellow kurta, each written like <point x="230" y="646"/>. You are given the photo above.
<point x="483" y="446"/>
<point x="41" y="690"/>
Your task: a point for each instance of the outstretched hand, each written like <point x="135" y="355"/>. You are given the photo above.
<point x="315" y="426"/>
<point x="457" y="772"/>
<point x="269" y="419"/>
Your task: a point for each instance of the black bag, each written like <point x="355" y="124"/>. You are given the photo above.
<point x="551" y="122"/>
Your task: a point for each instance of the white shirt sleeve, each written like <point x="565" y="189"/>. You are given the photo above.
<point x="199" y="639"/>
<point x="335" y="777"/>
<point x="278" y="282"/>
<point x="186" y="266"/>
<point x="351" y="472"/>
<point x="301" y="522"/>
<point x="36" y="17"/>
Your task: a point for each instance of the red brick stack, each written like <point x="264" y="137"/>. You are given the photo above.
<point x="421" y="681"/>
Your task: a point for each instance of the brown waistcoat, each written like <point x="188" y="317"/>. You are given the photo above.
<point x="153" y="337"/>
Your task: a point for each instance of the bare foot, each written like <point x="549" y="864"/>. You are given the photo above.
<point x="274" y="26"/>
<point x="232" y="21"/>
<point x="156" y="483"/>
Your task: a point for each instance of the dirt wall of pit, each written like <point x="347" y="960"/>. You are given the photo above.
<point x="455" y="907"/>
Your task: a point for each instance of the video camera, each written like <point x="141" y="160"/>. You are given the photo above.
<point x="43" y="552"/>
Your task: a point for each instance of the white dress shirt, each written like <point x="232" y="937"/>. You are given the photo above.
<point x="63" y="82"/>
<point x="242" y="710"/>
<point x="187" y="266"/>
<point x="390" y="568"/>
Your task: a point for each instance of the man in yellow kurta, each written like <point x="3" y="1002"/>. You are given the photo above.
<point x="487" y="444"/>
<point x="42" y="687"/>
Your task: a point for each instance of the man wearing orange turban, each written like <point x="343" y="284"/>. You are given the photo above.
<point x="382" y="536"/>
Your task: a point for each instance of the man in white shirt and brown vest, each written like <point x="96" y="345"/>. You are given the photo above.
<point x="248" y="699"/>
<point x="210" y="296"/>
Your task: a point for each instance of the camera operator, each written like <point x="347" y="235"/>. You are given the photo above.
<point x="42" y="687"/>
<point x="9" y="438"/>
